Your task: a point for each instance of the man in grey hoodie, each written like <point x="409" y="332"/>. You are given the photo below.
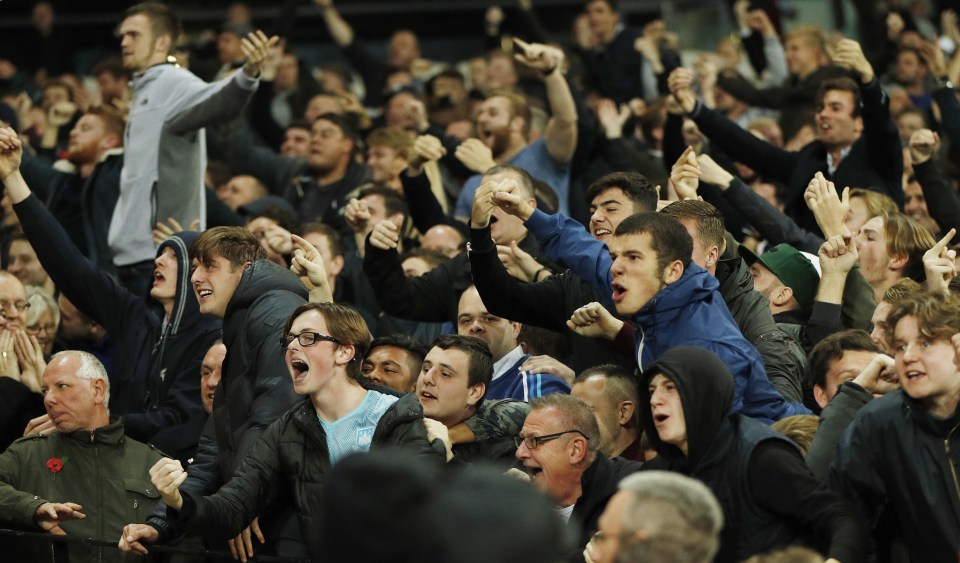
<point x="165" y="143"/>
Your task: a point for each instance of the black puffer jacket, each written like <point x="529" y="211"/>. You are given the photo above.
<point x="291" y="461"/>
<point x="255" y="389"/>
<point x="783" y="358"/>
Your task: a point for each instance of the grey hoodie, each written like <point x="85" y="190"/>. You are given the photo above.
<point x="166" y="153"/>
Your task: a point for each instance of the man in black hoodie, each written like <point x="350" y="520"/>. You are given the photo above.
<point x="233" y="280"/>
<point x="159" y="340"/>
<point x="768" y="495"/>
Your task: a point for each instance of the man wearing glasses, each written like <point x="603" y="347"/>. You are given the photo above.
<point x="233" y="280"/>
<point x="13" y="302"/>
<point x="559" y="449"/>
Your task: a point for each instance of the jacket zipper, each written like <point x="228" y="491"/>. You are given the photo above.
<point x="96" y="455"/>
<point x="953" y="469"/>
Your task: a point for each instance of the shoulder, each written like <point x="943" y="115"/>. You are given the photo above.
<point x="30" y="441"/>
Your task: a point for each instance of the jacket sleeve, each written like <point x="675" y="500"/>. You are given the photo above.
<point x="91" y="290"/>
<point x="857" y="302"/>
<point x="425" y="210"/>
<point x="835" y="418"/>
<point x="856" y="471"/>
<point x="203" y="478"/>
<point x="16" y="507"/>
<point x="39" y="174"/>
<point x="949" y="105"/>
<point x="742" y="90"/>
<point x="428" y="298"/>
<point x="273" y="393"/>
<point x="201" y="104"/>
<point x="942" y="202"/>
<point x="226" y="513"/>
<point x="880" y="135"/>
<point x="742" y="146"/>
<point x="246" y="157"/>
<point x="781" y="483"/>
<point x="373" y="70"/>
<point x="769" y="221"/>
<point x="540" y="304"/>
<point x="564" y="240"/>
<point x="495" y="419"/>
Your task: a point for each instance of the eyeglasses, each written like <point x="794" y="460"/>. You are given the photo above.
<point x="18" y="306"/>
<point x="533" y="442"/>
<point x="37" y="329"/>
<point x="307" y="339"/>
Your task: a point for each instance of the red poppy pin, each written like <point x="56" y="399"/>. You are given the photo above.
<point x="55" y="465"/>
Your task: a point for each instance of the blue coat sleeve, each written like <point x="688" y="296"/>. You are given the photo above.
<point x="565" y="241"/>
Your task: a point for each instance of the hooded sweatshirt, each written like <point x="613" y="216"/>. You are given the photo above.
<point x="156" y="370"/>
<point x="769" y="497"/>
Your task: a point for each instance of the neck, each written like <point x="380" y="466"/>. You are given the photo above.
<point x="881" y="288"/>
<point x="944" y="407"/>
<point x="915" y="89"/>
<point x="836" y="152"/>
<point x="167" y="308"/>
<point x="87" y="169"/>
<point x="605" y="36"/>
<point x="517" y="144"/>
<point x="626" y="437"/>
<point x="335" y="174"/>
<point x="99" y="421"/>
<point x="340" y="396"/>
<point x="574" y="493"/>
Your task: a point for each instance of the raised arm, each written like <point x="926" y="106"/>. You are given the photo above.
<point x="737" y="142"/>
<point x="560" y="134"/>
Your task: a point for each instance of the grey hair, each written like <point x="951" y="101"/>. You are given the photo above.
<point x="40" y="302"/>
<point x="670" y="517"/>
<point x="90" y="368"/>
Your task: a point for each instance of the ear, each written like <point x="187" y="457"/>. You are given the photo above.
<point x="99" y="391"/>
<point x="898" y="262"/>
<point x="820" y="396"/>
<point x="516" y="329"/>
<point x="713" y="255"/>
<point x="578" y="449"/>
<point x="245" y="265"/>
<point x="163" y="44"/>
<point x="627" y="413"/>
<point x="782" y="296"/>
<point x="475" y="393"/>
<point x="110" y="142"/>
<point x="335" y="267"/>
<point x="858" y="125"/>
<point x="673" y="272"/>
<point x="532" y="202"/>
<point x="345" y="354"/>
<point x="517" y="124"/>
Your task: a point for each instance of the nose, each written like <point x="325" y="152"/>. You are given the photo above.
<point x="522" y="451"/>
<point x="909" y="353"/>
<point x="616" y="268"/>
<point x="596" y="217"/>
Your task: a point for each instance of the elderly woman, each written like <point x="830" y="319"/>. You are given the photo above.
<point x="43" y="318"/>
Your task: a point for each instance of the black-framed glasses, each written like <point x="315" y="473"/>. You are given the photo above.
<point x="533" y="442"/>
<point x="307" y="339"/>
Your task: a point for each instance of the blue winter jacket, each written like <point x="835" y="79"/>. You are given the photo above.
<point x="689" y="312"/>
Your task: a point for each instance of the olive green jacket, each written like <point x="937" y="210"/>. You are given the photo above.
<point x="104" y="471"/>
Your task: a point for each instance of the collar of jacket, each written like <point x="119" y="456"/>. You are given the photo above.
<point x="696" y="284"/>
<point x="111" y="434"/>
<point x="941" y="427"/>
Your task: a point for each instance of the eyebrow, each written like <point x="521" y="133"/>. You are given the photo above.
<point x="608" y="202"/>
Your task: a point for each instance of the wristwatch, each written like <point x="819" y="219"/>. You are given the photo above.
<point x="944" y="82"/>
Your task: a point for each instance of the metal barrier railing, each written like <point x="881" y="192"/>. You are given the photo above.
<point x="60" y="547"/>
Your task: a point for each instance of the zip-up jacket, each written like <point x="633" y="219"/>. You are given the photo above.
<point x="896" y="454"/>
<point x="105" y="472"/>
<point x="166" y="155"/>
<point x="291" y="459"/>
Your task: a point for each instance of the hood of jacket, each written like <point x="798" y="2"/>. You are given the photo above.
<point x="259" y="278"/>
<point x="706" y="392"/>
<point x="696" y="284"/>
<point x="186" y="309"/>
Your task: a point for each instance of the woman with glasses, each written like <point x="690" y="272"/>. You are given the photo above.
<point x="43" y="318"/>
<point x="339" y="416"/>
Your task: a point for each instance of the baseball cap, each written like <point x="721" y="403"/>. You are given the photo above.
<point x="792" y="268"/>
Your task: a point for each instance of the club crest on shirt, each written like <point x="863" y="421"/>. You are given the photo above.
<point x="364" y="437"/>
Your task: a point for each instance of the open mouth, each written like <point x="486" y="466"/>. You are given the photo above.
<point x="300" y="368"/>
<point x="914" y="375"/>
<point x="427" y="396"/>
<point x="204" y="293"/>
<point x="157" y="277"/>
<point x="601" y="233"/>
<point x="618" y="292"/>
<point x="534" y="472"/>
<point x="659" y="419"/>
